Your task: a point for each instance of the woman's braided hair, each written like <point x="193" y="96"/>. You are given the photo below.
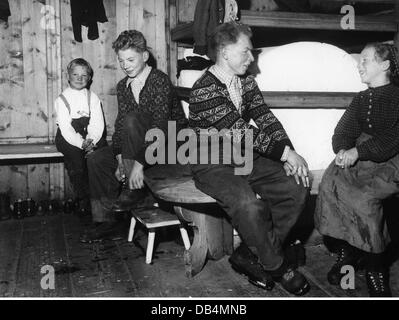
<point x="386" y="51"/>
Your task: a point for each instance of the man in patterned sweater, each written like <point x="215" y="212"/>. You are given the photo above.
<point x="224" y="98"/>
<point x="146" y="100"/>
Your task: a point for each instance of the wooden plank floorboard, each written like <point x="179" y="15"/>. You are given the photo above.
<point x="158" y="278"/>
<point x="118" y="268"/>
<point x="85" y="276"/>
<point x="33" y="255"/>
<point x="56" y="256"/>
<point x="10" y="245"/>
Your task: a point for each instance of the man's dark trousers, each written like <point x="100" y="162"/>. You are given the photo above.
<point x="262" y="223"/>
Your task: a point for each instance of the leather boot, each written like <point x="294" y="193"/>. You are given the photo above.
<point x="245" y="262"/>
<point x="128" y="198"/>
<point x="378" y="283"/>
<point x="5" y="210"/>
<point x="17" y="212"/>
<point x="295" y="254"/>
<point x="347" y="255"/>
<point x="291" y="280"/>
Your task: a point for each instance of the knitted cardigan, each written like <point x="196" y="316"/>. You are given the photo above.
<point x="374" y="111"/>
<point x="211" y="107"/>
<point x="157" y="98"/>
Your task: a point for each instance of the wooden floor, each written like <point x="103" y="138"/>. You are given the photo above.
<point x="118" y="269"/>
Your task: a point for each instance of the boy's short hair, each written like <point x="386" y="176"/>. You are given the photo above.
<point x="130" y="39"/>
<point x="225" y="34"/>
<point x="83" y="63"/>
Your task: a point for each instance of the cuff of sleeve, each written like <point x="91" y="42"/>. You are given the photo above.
<point x="285" y="154"/>
<point x="140" y="157"/>
<point x="279" y="149"/>
<point x="116" y="150"/>
<point x="362" y="152"/>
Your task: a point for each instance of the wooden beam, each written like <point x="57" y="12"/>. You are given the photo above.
<point x="396" y="37"/>
<point x="296" y="100"/>
<point x="298" y="20"/>
<point x="364" y="1"/>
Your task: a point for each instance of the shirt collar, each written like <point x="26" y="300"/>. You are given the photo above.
<point x="222" y="75"/>
<point x="140" y="78"/>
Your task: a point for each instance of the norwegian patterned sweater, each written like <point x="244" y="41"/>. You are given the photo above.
<point x="212" y="108"/>
<point x="374" y="111"/>
<point x="157" y="98"/>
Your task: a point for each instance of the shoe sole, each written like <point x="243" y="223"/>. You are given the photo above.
<point x="303" y="290"/>
<point x="255" y="282"/>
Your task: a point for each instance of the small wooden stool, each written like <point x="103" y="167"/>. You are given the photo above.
<point x="153" y="218"/>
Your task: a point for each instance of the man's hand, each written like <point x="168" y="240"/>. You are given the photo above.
<point x="120" y="170"/>
<point x="350" y="157"/>
<point x="136" y="178"/>
<point x="296" y="166"/>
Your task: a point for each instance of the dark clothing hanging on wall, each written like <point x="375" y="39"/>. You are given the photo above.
<point x="87" y="13"/>
<point x="208" y="15"/>
<point x="4" y="10"/>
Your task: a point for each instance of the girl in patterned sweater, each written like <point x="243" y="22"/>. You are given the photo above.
<point x="364" y="172"/>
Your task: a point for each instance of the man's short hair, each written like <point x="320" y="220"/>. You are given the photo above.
<point x="130" y="39"/>
<point x="225" y="34"/>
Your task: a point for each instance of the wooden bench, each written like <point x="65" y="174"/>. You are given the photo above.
<point x="28" y="151"/>
<point x="213" y="233"/>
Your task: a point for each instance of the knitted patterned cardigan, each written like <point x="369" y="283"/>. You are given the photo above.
<point x="157" y="98"/>
<point x="211" y="107"/>
<point x="374" y="111"/>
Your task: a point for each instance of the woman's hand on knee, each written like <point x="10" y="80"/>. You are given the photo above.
<point x="339" y="158"/>
<point x="350" y="157"/>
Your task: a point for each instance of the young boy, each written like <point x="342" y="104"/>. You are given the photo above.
<point x="80" y="123"/>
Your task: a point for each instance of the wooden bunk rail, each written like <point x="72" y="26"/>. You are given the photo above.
<point x="364" y="1"/>
<point x="299" y="20"/>
<point x="297" y="100"/>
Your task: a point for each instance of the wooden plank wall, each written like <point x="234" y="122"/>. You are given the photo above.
<point x="35" y="47"/>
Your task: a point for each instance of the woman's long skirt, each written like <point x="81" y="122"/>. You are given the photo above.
<point x="349" y="204"/>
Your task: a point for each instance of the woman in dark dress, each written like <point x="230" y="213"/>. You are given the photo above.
<point x="365" y="171"/>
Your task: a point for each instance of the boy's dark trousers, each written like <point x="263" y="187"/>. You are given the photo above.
<point x="74" y="158"/>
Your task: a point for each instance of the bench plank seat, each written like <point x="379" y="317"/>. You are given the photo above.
<point x="213" y="234"/>
<point x="28" y="151"/>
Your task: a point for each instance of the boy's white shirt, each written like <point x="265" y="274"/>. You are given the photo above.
<point x="77" y="100"/>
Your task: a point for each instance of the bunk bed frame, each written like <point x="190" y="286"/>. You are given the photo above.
<point x="181" y="34"/>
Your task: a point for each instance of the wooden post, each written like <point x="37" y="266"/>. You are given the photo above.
<point x="52" y="30"/>
<point x="172" y="52"/>
<point x="396" y="37"/>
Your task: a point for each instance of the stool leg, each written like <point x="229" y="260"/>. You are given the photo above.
<point x="131" y="229"/>
<point x="185" y="238"/>
<point x="150" y="246"/>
